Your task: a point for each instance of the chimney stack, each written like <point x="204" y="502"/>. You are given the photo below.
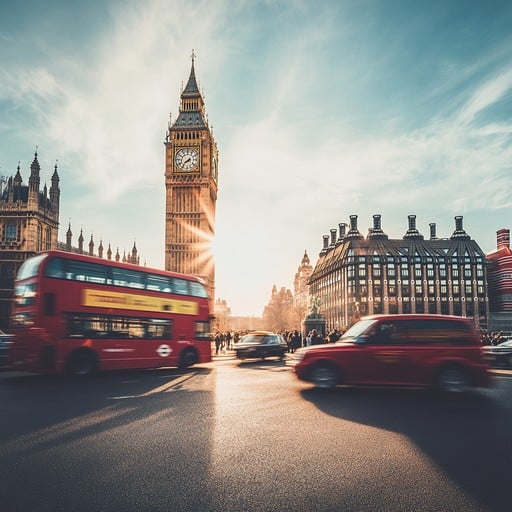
<point x="503" y="239"/>
<point x="433" y="235"/>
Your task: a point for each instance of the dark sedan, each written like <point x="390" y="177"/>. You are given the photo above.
<point x="261" y="345"/>
<point x="499" y="355"/>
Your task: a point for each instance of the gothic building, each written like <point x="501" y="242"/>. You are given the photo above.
<point x="499" y="278"/>
<point x="29" y="223"/>
<point x="300" y="283"/>
<point x="191" y="173"/>
<point x="357" y="275"/>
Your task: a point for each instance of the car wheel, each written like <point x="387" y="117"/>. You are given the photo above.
<point x="324" y="376"/>
<point x="81" y="363"/>
<point x="452" y="380"/>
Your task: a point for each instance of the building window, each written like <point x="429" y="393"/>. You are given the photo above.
<point x="11" y="232"/>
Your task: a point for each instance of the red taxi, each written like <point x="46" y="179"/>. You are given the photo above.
<point x="436" y="351"/>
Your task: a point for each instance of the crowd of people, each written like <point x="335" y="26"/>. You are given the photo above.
<point x="227" y="340"/>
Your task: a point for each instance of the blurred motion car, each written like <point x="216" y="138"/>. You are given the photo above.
<point x="499" y="355"/>
<point x="261" y="344"/>
<point x="5" y="342"/>
<point x="438" y="351"/>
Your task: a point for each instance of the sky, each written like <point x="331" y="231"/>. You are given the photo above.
<point x="320" y="110"/>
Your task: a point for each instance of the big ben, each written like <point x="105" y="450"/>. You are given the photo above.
<point x="191" y="173"/>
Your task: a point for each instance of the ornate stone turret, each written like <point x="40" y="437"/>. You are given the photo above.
<point x="55" y="191"/>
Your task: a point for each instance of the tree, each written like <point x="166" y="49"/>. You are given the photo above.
<point x="278" y="315"/>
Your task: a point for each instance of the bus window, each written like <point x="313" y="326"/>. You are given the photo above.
<point x="198" y="290"/>
<point x="88" y="272"/>
<point x="158" y="283"/>
<point x="55" y="268"/>
<point x="159" y="329"/>
<point x="180" y="286"/>
<point x="128" y="278"/>
<point x="202" y="330"/>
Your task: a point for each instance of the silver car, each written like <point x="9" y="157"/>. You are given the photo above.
<point x="499" y="355"/>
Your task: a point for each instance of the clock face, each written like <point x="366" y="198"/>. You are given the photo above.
<point x="186" y="159"/>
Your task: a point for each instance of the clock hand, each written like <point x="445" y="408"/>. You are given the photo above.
<point x="187" y="160"/>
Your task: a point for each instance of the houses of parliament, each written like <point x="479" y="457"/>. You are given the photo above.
<point x="29" y="215"/>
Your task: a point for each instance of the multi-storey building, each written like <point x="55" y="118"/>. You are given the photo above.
<point x="29" y="223"/>
<point x="499" y="278"/>
<point x="191" y="173"/>
<point x="357" y="275"/>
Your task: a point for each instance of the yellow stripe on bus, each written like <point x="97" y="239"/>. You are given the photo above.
<point x="117" y="300"/>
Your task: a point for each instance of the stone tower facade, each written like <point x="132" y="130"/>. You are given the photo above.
<point x="29" y="223"/>
<point x="191" y="175"/>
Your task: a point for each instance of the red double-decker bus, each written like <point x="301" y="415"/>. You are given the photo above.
<point x="78" y="314"/>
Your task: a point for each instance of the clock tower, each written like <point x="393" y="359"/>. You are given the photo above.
<point x="191" y="159"/>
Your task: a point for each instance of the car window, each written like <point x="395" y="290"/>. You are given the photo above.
<point x="361" y="327"/>
<point x="388" y="333"/>
<point x="438" y="332"/>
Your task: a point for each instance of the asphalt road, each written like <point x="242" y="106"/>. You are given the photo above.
<point x="247" y="436"/>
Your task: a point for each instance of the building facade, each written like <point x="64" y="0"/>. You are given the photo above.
<point x="29" y="223"/>
<point x="357" y="275"/>
<point x="499" y="278"/>
<point x="191" y="175"/>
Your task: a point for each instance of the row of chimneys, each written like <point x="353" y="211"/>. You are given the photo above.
<point x="376" y="233"/>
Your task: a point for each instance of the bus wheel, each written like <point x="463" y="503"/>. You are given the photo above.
<point x="81" y="362"/>
<point x="188" y="358"/>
